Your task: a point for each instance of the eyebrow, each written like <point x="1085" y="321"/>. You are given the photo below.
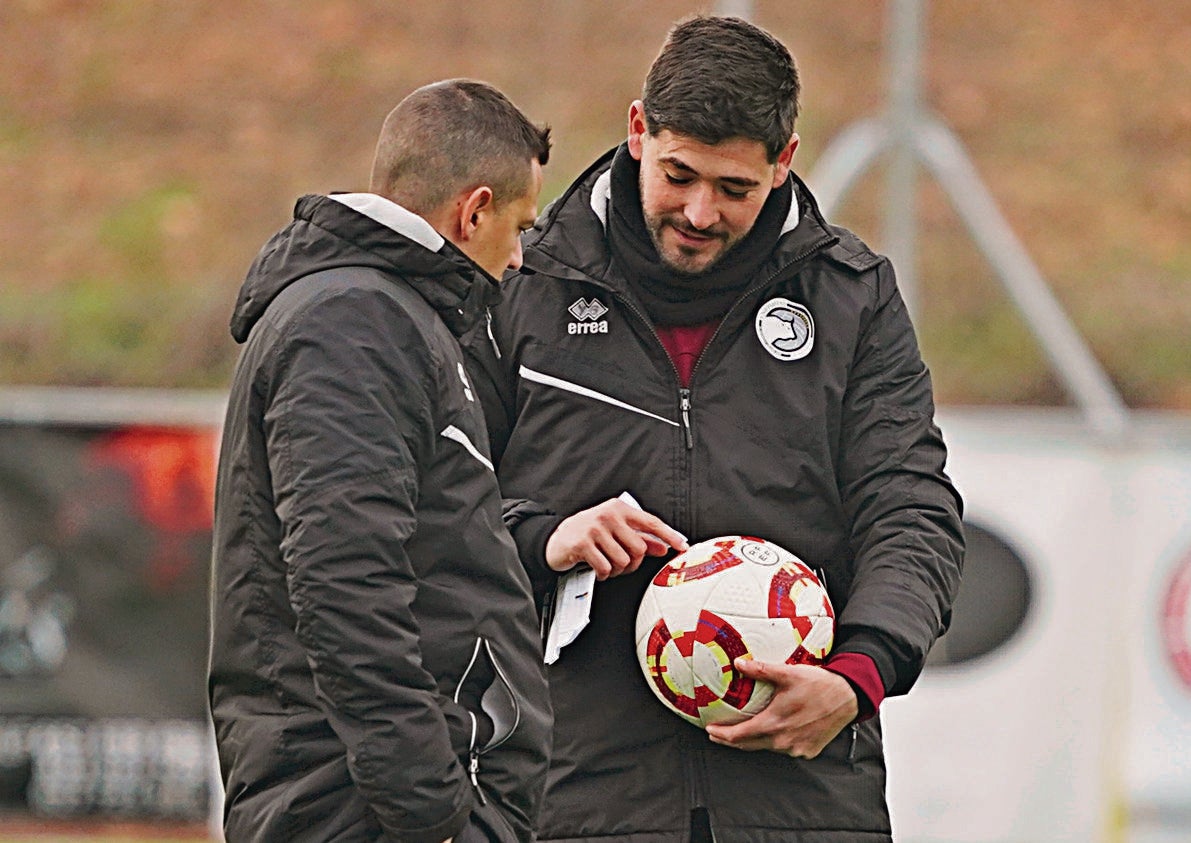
<point x="679" y="164"/>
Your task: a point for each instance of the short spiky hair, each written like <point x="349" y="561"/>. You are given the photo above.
<point x="720" y="77"/>
<point x="452" y="136"/>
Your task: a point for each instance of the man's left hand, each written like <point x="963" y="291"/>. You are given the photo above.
<point x="810" y="706"/>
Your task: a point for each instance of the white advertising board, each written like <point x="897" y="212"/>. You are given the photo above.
<point x="1076" y="727"/>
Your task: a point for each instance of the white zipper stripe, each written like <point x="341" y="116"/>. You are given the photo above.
<point x="550" y="380"/>
<point x="457" y="435"/>
<point x="470" y="664"/>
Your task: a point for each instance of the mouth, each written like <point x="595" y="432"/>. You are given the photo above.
<point x="694" y="238"/>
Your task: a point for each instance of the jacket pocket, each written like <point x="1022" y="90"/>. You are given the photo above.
<point x="485" y="692"/>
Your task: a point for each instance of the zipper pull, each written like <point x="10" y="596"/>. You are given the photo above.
<point x="473" y="770"/>
<point x="491" y="336"/>
<point x="685" y="395"/>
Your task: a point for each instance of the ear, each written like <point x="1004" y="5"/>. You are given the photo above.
<point x="784" y="158"/>
<point x="637" y="128"/>
<point x="471" y="210"/>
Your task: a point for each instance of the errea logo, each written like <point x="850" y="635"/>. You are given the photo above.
<point x="588" y="314"/>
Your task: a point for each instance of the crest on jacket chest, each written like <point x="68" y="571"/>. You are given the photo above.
<point x="586" y="314"/>
<point x="785" y="329"/>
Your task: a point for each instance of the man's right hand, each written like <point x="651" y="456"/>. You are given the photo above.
<point x="611" y="537"/>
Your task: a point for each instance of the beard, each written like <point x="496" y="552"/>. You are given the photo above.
<point x="684" y="259"/>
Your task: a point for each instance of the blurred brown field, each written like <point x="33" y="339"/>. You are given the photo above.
<point x="148" y="149"/>
<point x="30" y="831"/>
<point x="98" y="837"/>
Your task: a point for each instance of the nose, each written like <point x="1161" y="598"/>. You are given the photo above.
<point x="701" y="210"/>
<point x="515" y="257"/>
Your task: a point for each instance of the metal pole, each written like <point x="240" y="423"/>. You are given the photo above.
<point x="1085" y="379"/>
<point x="901" y="183"/>
<point x="735" y="8"/>
<point x="845" y="160"/>
<point x="914" y="137"/>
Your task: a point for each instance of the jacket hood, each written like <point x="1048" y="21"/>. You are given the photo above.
<point x="578" y="249"/>
<point x="364" y="230"/>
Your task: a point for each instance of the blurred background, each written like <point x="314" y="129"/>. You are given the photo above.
<point x="148" y="148"/>
<point x="1041" y="150"/>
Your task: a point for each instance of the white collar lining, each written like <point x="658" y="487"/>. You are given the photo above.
<point x="391" y="215"/>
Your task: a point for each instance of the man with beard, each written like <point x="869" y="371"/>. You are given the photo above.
<point x="688" y="328"/>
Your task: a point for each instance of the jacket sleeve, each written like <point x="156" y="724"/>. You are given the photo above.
<point x="348" y="424"/>
<point x="907" y="539"/>
<point x="531" y="523"/>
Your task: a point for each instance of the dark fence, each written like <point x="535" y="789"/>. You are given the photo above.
<point x="105" y="529"/>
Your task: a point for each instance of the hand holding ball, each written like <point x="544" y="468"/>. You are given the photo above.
<point x="722" y="599"/>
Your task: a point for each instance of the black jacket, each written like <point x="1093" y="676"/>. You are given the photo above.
<point x="826" y="446"/>
<point x="373" y="634"/>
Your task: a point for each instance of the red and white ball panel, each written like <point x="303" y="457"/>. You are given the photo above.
<point x="724" y="598"/>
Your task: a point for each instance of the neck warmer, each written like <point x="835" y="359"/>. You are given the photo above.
<point x="673" y="298"/>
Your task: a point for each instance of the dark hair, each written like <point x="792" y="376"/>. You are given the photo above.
<point x="452" y="136"/>
<point x="720" y="77"/>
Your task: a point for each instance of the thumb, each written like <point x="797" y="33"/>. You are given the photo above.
<point x="752" y="668"/>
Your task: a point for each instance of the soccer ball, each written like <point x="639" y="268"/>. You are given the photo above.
<point x="724" y="598"/>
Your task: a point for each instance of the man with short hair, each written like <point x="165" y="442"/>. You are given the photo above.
<point x="688" y="328"/>
<point x="375" y="668"/>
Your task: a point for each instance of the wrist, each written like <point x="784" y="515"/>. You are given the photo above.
<point x="861" y="674"/>
<point x="555" y="560"/>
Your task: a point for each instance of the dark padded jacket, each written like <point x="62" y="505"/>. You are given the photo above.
<point x="373" y="634"/>
<point x="821" y="439"/>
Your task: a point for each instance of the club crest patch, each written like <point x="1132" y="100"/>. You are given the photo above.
<point x="786" y="329"/>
